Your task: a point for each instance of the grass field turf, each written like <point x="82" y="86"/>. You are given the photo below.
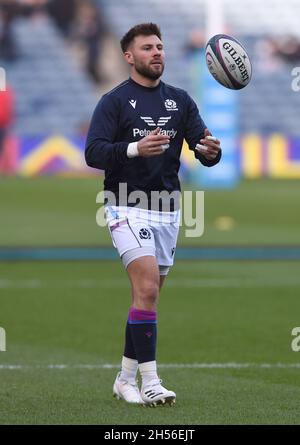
<point x="215" y="312"/>
<point x="47" y="211"/>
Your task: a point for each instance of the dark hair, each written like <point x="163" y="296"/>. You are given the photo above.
<point x="144" y="29"/>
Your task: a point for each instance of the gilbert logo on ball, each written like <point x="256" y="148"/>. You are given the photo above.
<point x="228" y="61"/>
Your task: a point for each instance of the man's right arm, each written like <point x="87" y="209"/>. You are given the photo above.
<point x="102" y="151"/>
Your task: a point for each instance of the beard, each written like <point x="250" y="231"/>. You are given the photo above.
<point x="149" y="71"/>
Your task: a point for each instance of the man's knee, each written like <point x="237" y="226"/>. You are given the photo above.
<point x="146" y="292"/>
<point x="145" y="280"/>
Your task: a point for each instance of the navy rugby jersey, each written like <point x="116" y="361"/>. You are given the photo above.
<point x="127" y="114"/>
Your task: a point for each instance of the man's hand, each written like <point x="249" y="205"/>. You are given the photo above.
<point x="209" y="146"/>
<point x="154" y="144"/>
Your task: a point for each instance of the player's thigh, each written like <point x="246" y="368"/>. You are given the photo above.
<point x="129" y="235"/>
<point x="166" y="236"/>
<point x="135" y="243"/>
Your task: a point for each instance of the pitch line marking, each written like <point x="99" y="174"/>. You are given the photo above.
<point x="190" y="283"/>
<point x="163" y="365"/>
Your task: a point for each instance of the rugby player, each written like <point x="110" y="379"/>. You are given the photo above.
<point x="136" y="136"/>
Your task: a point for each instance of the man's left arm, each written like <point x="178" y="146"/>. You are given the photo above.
<point x="206" y="148"/>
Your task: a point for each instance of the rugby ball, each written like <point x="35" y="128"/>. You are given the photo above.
<point x="228" y="61"/>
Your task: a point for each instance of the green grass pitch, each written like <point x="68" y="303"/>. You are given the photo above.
<point x="219" y="313"/>
<point x="236" y="317"/>
<point x="47" y="211"/>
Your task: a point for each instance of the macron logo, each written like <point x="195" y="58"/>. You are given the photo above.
<point x="133" y="103"/>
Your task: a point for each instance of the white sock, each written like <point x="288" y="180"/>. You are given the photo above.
<point x="148" y="372"/>
<point x="129" y="369"/>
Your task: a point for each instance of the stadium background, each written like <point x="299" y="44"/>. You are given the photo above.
<point x="234" y="363"/>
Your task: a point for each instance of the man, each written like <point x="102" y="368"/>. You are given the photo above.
<point x="136" y="136"/>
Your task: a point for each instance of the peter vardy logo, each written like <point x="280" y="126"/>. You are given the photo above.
<point x="162" y="121"/>
<point x="144" y="132"/>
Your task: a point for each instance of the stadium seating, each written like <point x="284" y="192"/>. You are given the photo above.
<point x="122" y="15"/>
<point x="53" y="95"/>
<point x="49" y="85"/>
<point x="268" y="104"/>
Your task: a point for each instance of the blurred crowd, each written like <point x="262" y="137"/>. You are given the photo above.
<point x="274" y="52"/>
<point x="271" y="52"/>
<point x="286" y="47"/>
<point x="78" y="21"/>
